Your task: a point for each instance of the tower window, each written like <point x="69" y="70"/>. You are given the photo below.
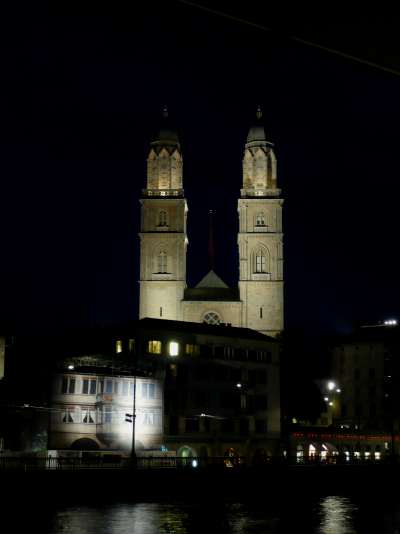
<point x="162" y="220"/>
<point x="160" y="311"/>
<point x="212" y="318"/>
<point x="162" y="262"/>
<point x="260" y="219"/>
<point x="261" y="313"/>
<point x="261" y="262"/>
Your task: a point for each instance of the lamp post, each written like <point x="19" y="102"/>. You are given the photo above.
<point x="133" y="462"/>
<point x="133" y="458"/>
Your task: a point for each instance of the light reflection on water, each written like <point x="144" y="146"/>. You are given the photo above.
<point x="158" y="518"/>
<point x="336" y="515"/>
<point x="328" y="515"/>
<point x="143" y="518"/>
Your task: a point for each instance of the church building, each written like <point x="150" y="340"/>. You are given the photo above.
<point x="257" y="301"/>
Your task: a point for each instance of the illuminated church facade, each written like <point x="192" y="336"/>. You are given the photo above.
<point x="257" y="301"/>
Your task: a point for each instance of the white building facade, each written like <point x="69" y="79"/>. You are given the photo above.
<point x="89" y="412"/>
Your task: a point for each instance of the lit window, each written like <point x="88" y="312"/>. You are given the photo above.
<point x="162" y="262"/>
<point x="148" y="391"/>
<point x="89" y="386"/>
<point x="109" y="386"/>
<point x="212" y="318"/>
<point x="148" y="418"/>
<point x="154" y="347"/>
<point x="131" y="345"/>
<point x="107" y="414"/>
<point x="68" y="385"/>
<point x="261" y="262"/>
<point x="260" y="219"/>
<point x="88" y="416"/>
<point x="173" y="348"/>
<point x="118" y="345"/>
<point x="191" y="349"/>
<point x="68" y="415"/>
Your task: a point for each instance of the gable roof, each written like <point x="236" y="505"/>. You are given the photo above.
<point x="211" y="280"/>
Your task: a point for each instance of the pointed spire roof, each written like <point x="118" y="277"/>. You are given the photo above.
<point x="256" y="135"/>
<point x="167" y="135"/>
<point x="211" y="280"/>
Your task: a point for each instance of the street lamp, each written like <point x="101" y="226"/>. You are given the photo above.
<point x="133" y="459"/>
<point x="173" y="351"/>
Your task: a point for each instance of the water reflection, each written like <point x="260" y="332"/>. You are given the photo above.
<point x="143" y="518"/>
<point x="158" y="518"/>
<point x="327" y="515"/>
<point x="336" y="515"/>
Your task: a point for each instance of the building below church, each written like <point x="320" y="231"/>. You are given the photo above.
<point x="257" y="301"/>
<point x="201" y="391"/>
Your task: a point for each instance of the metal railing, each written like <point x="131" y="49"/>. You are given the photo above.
<point x="171" y="462"/>
<point x="114" y="462"/>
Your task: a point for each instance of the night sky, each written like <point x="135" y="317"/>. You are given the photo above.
<point x="83" y="93"/>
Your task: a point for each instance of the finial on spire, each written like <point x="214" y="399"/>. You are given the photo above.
<point x="259" y="113"/>
<point x="165" y="112"/>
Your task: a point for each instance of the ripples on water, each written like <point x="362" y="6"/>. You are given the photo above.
<point x="327" y="515"/>
<point x="336" y="516"/>
<point x="152" y="518"/>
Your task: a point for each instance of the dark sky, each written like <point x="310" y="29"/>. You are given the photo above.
<point x="82" y="98"/>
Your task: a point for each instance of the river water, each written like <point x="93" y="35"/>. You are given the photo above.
<point x="325" y="515"/>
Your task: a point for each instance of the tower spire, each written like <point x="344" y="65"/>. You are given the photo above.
<point x="211" y="240"/>
<point x="165" y="112"/>
<point x="259" y="112"/>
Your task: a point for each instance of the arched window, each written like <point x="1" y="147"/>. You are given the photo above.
<point x="162" y="262"/>
<point x="212" y="318"/>
<point x="162" y="218"/>
<point x="260" y="219"/>
<point x="261" y="262"/>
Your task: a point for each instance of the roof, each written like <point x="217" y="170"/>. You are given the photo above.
<point x="211" y="279"/>
<point x="212" y="288"/>
<point x="217" y="294"/>
<point x="167" y="135"/>
<point x="203" y="328"/>
<point x="256" y="136"/>
<point x="379" y="333"/>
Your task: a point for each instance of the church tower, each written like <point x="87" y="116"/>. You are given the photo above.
<point x="163" y="239"/>
<point x="260" y="236"/>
